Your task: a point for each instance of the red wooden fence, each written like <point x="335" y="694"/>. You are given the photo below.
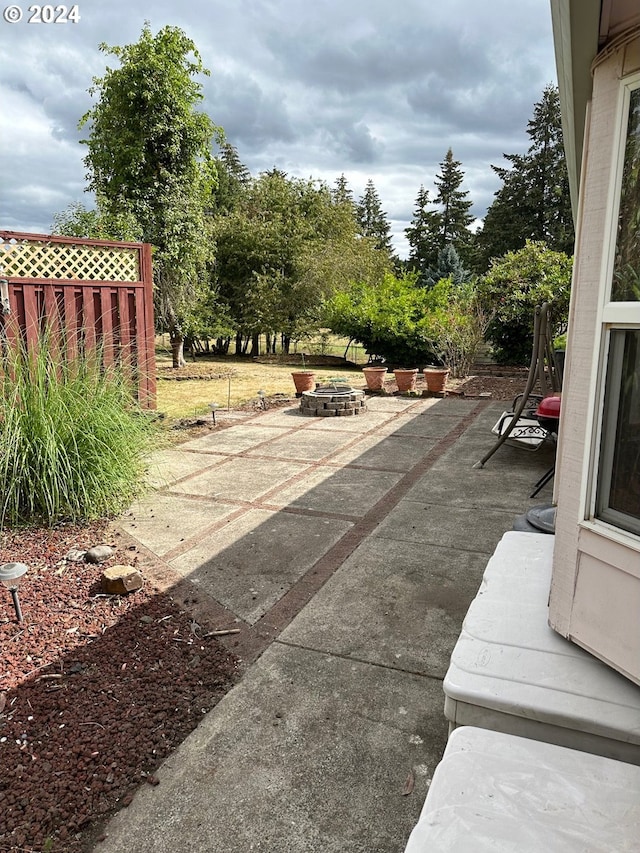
<point x="88" y="293"/>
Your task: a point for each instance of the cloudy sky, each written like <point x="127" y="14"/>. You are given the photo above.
<point x="373" y="89"/>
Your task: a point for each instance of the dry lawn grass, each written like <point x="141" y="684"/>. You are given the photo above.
<point x="237" y="383"/>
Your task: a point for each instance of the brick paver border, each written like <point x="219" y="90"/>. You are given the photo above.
<point x="252" y="640"/>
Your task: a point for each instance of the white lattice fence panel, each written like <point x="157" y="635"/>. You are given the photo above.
<point x="63" y="261"/>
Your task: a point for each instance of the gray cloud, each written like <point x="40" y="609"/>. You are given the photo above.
<point x="351" y="86"/>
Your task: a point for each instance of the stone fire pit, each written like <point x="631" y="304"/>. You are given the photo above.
<point x="328" y="401"/>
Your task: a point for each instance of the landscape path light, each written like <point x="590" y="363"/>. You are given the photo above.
<point x="262" y="394"/>
<point x="213" y="406"/>
<point x="10" y="576"/>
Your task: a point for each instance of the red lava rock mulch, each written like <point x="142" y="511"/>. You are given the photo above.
<point x="95" y="690"/>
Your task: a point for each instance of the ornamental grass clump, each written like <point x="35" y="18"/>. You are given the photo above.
<point x="73" y="440"/>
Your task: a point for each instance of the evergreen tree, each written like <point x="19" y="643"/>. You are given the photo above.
<point x="455" y="218"/>
<point x="233" y="178"/>
<point x="533" y="202"/>
<point x="342" y="192"/>
<point x="449" y="266"/>
<point x="373" y="220"/>
<point x="423" y="236"/>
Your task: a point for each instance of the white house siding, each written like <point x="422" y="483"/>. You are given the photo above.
<point x="595" y="590"/>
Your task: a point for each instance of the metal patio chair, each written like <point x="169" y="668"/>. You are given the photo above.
<point x="520" y="426"/>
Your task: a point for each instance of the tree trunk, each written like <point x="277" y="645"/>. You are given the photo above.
<point x="346" y="352"/>
<point x="255" y="345"/>
<point x="268" y="342"/>
<point x="177" y="348"/>
<point x="238" y="343"/>
<point x="286" y="343"/>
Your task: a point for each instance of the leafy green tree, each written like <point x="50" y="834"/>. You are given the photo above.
<point x="373" y="220"/>
<point x="533" y="202"/>
<point x="514" y="286"/>
<point x="77" y="221"/>
<point x="149" y="159"/>
<point x="424" y="236"/>
<point x="284" y="248"/>
<point x="455" y="218"/>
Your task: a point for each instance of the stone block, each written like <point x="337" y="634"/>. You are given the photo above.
<point x="120" y="580"/>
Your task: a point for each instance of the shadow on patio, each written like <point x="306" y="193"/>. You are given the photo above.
<point x="346" y="551"/>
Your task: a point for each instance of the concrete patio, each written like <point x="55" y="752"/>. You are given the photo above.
<point x="347" y="551"/>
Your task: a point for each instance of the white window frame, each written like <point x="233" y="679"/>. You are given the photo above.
<point x="611" y="315"/>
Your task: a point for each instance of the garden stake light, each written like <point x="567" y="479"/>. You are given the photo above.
<point x="10" y="575"/>
<point x="213" y="406"/>
<point x="262" y="394"/>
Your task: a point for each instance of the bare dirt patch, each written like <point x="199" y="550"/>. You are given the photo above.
<point x="498" y="384"/>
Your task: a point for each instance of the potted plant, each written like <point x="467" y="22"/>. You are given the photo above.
<point x="559" y="357"/>
<point x="304" y="380"/>
<point x="406" y="378"/>
<point x="375" y="375"/>
<point x="435" y="378"/>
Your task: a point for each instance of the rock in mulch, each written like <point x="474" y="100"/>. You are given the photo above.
<point x="75" y="555"/>
<point x="120" y="580"/>
<point x="98" y="554"/>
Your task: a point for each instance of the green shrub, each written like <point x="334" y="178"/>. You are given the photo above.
<point x="385" y="318"/>
<point x="72" y="437"/>
<point x="515" y="284"/>
<point x="455" y="324"/>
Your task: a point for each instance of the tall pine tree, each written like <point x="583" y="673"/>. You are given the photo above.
<point x="373" y="220"/>
<point x="342" y="192"/>
<point x="455" y="218"/>
<point x="424" y="236"/>
<point x="233" y="178"/>
<point x="533" y="202"/>
<point x="434" y="229"/>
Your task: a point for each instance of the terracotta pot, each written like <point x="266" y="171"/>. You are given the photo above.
<point x="406" y="378"/>
<point x="375" y="377"/>
<point x="436" y="378"/>
<point x="304" y="380"/>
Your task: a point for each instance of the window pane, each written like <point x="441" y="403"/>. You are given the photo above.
<point x="626" y="271"/>
<point x="619" y="487"/>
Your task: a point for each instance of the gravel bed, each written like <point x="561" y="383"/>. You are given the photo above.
<point x="95" y="690"/>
